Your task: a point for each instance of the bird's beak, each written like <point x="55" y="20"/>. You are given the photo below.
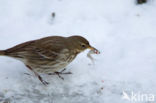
<point x="94" y="50"/>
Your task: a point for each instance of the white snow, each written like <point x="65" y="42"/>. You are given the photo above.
<point x="124" y="33"/>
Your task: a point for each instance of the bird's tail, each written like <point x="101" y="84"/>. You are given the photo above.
<point x="2" y="52"/>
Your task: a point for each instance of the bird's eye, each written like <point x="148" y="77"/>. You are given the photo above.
<point x="83" y="46"/>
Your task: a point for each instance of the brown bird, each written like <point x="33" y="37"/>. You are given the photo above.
<point x="48" y="55"/>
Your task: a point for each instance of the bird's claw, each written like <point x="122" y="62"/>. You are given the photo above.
<point x="60" y="73"/>
<point x="67" y="73"/>
<point x="45" y="83"/>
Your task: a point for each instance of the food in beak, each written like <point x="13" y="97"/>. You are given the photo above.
<point x="92" y="51"/>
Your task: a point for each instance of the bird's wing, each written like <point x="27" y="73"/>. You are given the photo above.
<point x="50" y="48"/>
<point x="21" y="50"/>
<point x="42" y="53"/>
<point x="21" y="47"/>
<point x="46" y="48"/>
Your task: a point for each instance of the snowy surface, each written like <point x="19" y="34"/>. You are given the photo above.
<point x="124" y="32"/>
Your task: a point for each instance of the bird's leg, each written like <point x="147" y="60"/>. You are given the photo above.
<point x="62" y="72"/>
<point x="39" y="77"/>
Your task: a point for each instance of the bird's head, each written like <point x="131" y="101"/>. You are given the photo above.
<point x="79" y="43"/>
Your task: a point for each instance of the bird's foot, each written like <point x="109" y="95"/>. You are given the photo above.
<point x="27" y="74"/>
<point x="60" y="73"/>
<point x="40" y="78"/>
<point x="44" y="82"/>
<point x="36" y="74"/>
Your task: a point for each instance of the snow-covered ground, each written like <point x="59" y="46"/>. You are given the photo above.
<point x="124" y="32"/>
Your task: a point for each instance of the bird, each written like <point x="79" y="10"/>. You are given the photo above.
<point x="48" y="55"/>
